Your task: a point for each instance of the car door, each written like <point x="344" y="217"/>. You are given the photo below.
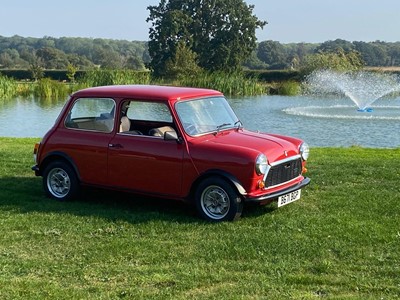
<point x="143" y="162"/>
<point x="84" y="137"/>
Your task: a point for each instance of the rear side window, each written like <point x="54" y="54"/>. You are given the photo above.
<point x="94" y="114"/>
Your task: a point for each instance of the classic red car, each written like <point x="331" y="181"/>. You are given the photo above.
<point x="170" y="142"/>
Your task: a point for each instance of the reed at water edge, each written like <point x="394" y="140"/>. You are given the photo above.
<point x="8" y="87"/>
<point x="232" y="84"/>
<point x="101" y="77"/>
<point x="47" y="88"/>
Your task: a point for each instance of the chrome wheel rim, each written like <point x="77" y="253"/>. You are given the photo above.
<point x="58" y="183"/>
<point x="215" y="202"/>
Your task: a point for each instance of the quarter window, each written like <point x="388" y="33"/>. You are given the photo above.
<point x="95" y="114"/>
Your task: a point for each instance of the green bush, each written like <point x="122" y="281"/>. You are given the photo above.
<point x="289" y="88"/>
<point x="338" y="61"/>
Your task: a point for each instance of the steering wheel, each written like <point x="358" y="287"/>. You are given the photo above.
<point x="190" y="128"/>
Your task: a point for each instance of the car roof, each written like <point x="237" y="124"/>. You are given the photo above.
<point x="147" y="92"/>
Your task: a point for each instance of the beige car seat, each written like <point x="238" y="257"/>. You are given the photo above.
<point x="159" y="132"/>
<point x="125" y="124"/>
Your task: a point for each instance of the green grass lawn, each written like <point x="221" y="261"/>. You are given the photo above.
<point x="340" y="241"/>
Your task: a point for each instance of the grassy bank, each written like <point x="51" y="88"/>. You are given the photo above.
<point x="340" y="241"/>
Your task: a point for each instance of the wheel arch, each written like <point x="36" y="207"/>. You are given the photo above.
<point x="58" y="156"/>
<point x="229" y="178"/>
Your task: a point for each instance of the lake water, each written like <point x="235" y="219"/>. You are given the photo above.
<point x="320" y="122"/>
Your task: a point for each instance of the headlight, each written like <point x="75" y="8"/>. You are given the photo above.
<point x="261" y="164"/>
<point x="304" y="151"/>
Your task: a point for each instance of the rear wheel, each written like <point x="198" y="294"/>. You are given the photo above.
<point x="217" y="200"/>
<point x="60" y="181"/>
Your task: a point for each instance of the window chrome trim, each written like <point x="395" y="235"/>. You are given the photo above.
<point x="72" y="105"/>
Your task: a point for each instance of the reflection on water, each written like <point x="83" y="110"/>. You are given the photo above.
<point x="321" y="122"/>
<point x="28" y="117"/>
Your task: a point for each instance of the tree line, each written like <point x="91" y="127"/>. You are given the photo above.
<point x="276" y="56"/>
<point x="50" y="53"/>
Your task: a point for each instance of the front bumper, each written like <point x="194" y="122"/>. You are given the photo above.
<point x="275" y="195"/>
<point x="36" y="169"/>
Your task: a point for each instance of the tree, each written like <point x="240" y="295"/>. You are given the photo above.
<point x="80" y="62"/>
<point x="133" y="62"/>
<point x="6" y="60"/>
<point x="339" y="61"/>
<point x="36" y="70"/>
<point x="106" y="57"/>
<point x="273" y="54"/>
<point x="220" y="32"/>
<point x="332" y="46"/>
<point x="374" y="54"/>
<point x="254" y="63"/>
<point x="183" y="63"/>
<point x="71" y="71"/>
<point x="52" y="58"/>
<point x="394" y="54"/>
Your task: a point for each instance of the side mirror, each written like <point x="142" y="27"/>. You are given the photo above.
<point x="171" y="136"/>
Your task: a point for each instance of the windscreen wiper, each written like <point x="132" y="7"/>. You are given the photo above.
<point x="219" y="127"/>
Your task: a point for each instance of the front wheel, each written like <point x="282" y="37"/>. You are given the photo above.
<point x="60" y="181"/>
<point x="216" y="200"/>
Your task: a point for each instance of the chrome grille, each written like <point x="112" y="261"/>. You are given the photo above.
<point x="283" y="172"/>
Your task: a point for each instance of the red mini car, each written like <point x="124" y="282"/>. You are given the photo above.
<point x="170" y="142"/>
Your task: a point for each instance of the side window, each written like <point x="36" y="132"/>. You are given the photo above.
<point x="149" y="111"/>
<point x="95" y="114"/>
<point x="146" y="118"/>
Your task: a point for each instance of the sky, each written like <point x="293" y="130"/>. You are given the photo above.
<point x="289" y="21"/>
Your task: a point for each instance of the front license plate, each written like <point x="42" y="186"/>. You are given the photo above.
<point x="289" y="198"/>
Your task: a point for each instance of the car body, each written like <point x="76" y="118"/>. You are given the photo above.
<point x="170" y="142"/>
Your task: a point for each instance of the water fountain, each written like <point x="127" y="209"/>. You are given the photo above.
<point x="363" y="88"/>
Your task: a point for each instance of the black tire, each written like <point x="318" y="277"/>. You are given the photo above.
<point x="60" y="181"/>
<point x="216" y="200"/>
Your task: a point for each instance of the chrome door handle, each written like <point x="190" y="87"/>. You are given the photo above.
<point x="118" y="146"/>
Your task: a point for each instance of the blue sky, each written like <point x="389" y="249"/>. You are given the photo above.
<point x="288" y="20"/>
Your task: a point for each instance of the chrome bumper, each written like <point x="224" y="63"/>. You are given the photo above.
<point x="275" y="195"/>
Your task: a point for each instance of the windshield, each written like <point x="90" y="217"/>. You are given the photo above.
<point x="206" y="115"/>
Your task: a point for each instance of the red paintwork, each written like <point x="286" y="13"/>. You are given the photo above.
<point x="164" y="168"/>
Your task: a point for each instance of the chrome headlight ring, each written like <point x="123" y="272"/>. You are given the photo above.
<point x="304" y="151"/>
<point x="261" y="164"/>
